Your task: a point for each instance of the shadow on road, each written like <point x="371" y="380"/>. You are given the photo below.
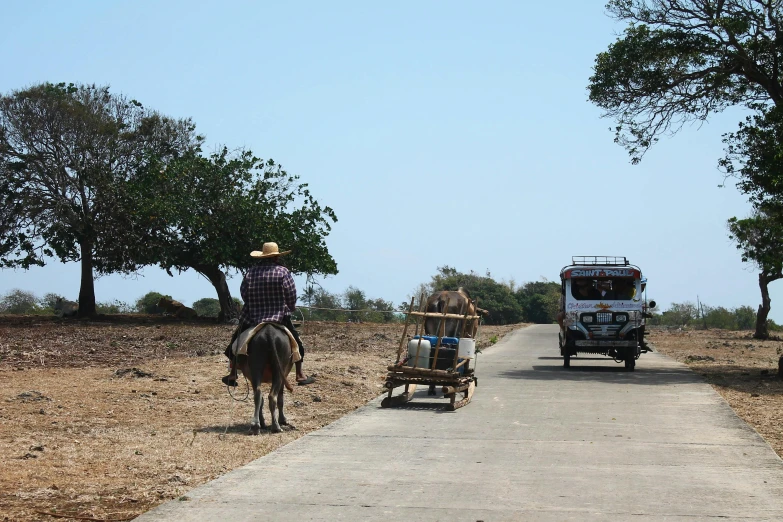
<point x="584" y="372"/>
<point x="241" y="428"/>
<point x="559" y="358"/>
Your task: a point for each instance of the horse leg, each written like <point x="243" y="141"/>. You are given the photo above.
<point x="280" y="406"/>
<point x="256" y="362"/>
<point x="277" y="384"/>
<point x="257" y="424"/>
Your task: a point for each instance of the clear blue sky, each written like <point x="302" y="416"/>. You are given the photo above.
<point x="404" y="114"/>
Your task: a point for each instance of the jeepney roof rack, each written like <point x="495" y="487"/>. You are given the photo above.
<point x="600" y="260"/>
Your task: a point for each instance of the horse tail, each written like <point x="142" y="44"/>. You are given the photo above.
<point x="276" y="360"/>
<point x="261" y="362"/>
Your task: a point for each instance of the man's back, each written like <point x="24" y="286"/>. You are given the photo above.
<point x="269" y="294"/>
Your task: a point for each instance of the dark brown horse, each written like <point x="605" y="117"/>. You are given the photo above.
<point x="268" y="359"/>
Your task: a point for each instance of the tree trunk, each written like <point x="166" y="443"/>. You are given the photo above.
<point x="762" y="331"/>
<point x="87" y="287"/>
<point x="228" y="309"/>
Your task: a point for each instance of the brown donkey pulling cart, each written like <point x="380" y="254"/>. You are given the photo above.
<point x="433" y="363"/>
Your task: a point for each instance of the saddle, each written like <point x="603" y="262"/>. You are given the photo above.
<point x="239" y="347"/>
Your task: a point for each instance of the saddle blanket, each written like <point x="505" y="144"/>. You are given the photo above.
<point x="239" y="347"/>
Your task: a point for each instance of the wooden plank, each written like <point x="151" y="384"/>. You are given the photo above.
<point x="441" y="331"/>
<point x="420" y="380"/>
<point x="468" y="396"/>
<point x="446" y="316"/>
<point x="448" y="390"/>
<point x="409" y="370"/>
<point x="402" y="398"/>
<point x="404" y="332"/>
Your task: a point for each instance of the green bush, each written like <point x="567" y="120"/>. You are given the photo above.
<point x="148" y="303"/>
<point x="540" y="301"/>
<point x="320" y="298"/>
<point x="687" y="314"/>
<point x="48" y="301"/>
<point x="718" y="317"/>
<point x="114" y="307"/>
<point x="746" y="318"/>
<point x="20" y="302"/>
<point x="207" y="307"/>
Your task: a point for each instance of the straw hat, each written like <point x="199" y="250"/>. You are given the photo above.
<point x="268" y="250"/>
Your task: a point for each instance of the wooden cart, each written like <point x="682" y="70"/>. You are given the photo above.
<point x="458" y="378"/>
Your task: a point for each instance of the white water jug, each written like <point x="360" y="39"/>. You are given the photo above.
<point x="466" y="348"/>
<point x="423" y="361"/>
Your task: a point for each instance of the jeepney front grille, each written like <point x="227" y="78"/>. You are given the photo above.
<point x="609" y="331"/>
<point x="603" y="317"/>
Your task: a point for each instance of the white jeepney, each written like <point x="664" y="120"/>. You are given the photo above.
<point x="602" y="309"/>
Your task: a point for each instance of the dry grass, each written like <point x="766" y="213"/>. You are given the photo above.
<point x="109" y="419"/>
<point x="742" y="369"/>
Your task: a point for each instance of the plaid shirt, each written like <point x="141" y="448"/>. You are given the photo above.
<point x="269" y="294"/>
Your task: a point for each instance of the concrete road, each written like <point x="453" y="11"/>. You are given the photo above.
<point x="538" y="442"/>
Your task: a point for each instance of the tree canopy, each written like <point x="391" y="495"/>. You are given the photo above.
<point x="683" y="60"/>
<point x="754" y="156"/>
<point x="209" y="213"/>
<point x="67" y="156"/>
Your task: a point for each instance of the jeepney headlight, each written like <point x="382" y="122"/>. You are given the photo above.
<point x="621" y="318"/>
<point x="587" y="318"/>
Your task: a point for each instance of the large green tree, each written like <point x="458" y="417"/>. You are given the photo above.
<point x="759" y="238"/>
<point x="540" y="301"/>
<point x="683" y="60"/>
<point x="67" y="156"/>
<point x="208" y="213"/>
<point x="492" y="295"/>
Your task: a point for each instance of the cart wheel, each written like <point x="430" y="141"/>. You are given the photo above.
<point x="567" y="360"/>
<point x="630" y="364"/>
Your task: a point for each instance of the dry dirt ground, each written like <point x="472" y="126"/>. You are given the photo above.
<point x="104" y="420"/>
<point x="742" y="369"/>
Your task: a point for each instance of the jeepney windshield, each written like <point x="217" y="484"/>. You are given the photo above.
<point x="589" y="289"/>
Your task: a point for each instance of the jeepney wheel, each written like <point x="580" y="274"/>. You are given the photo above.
<point x="567" y="359"/>
<point x="630" y="364"/>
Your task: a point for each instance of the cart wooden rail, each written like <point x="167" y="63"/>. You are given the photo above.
<point x="459" y="378"/>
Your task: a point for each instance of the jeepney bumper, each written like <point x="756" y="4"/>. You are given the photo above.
<point x="606" y="344"/>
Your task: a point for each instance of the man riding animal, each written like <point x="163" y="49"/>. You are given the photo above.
<point x="269" y="295"/>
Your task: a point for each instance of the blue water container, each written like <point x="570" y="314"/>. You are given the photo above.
<point x="444" y="341"/>
<point x="433" y="339"/>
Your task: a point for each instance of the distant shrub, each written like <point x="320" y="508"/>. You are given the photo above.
<point x="48" y="300"/>
<point x="207" y="307"/>
<point x="20" y="302"/>
<point x="114" y="307"/>
<point x="688" y="314"/>
<point x="328" y="307"/>
<point x="719" y="317"/>
<point x="746" y="318"/>
<point x="148" y="303"/>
